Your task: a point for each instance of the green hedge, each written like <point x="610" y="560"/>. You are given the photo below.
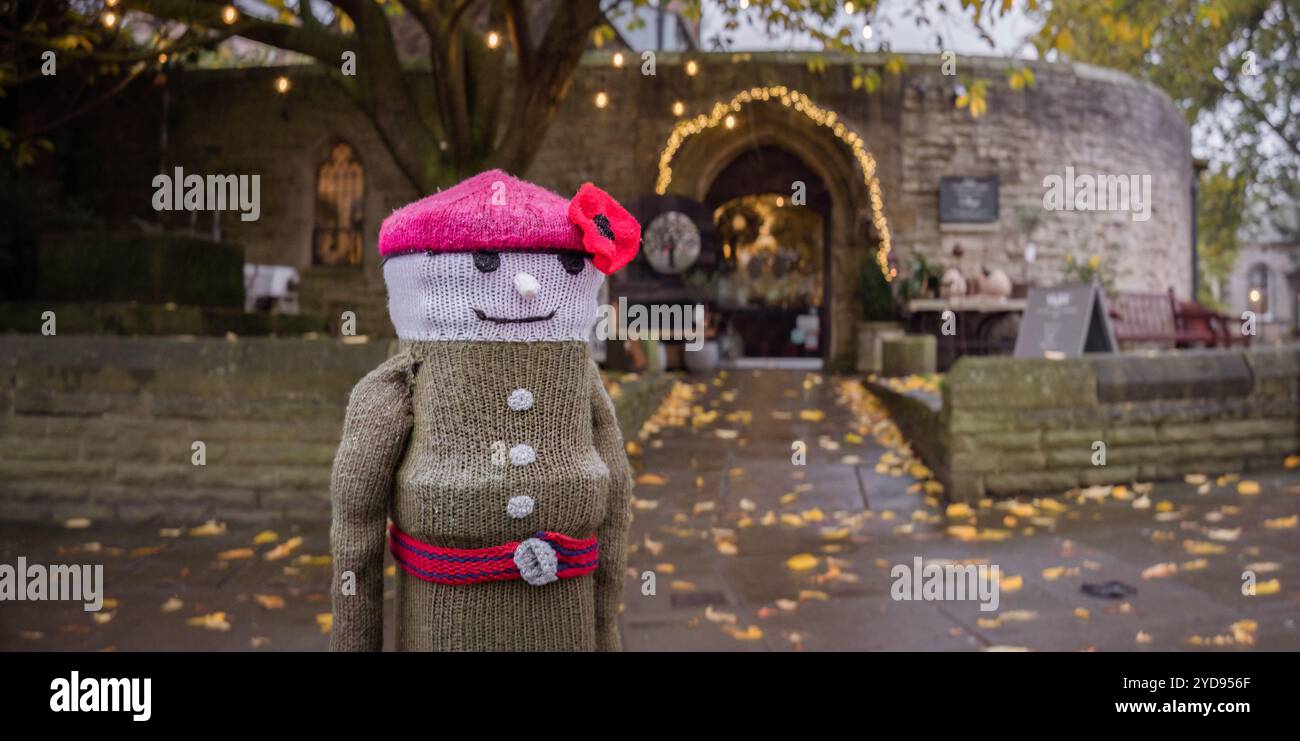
<point x="146" y="268"/>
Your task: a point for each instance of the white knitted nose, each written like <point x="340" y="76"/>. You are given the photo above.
<point x="527" y="285"/>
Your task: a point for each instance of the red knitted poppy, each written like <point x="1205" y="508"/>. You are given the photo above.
<point x="610" y="234"/>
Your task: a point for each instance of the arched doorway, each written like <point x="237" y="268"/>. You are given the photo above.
<point x="832" y="156"/>
<point x="773" y="213"/>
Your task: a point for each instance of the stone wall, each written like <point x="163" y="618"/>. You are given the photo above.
<point x="1091" y="119"/>
<point x="1010" y="426"/>
<point x="104" y="427"/>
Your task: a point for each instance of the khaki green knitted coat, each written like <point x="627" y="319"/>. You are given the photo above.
<point x="424" y="444"/>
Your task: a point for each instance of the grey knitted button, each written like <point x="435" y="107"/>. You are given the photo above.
<point x="519" y="507"/>
<point x="522" y="455"/>
<point x="521" y="400"/>
<point x="537" y="562"/>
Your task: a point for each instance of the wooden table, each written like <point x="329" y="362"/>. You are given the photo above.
<point x="986" y="325"/>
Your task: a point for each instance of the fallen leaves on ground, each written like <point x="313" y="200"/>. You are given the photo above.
<point x="211" y="621"/>
<point x="269" y="601"/>
<point x="802" y="562"/>
<point x="208" y="529"/>
<point x="284" y="549"/>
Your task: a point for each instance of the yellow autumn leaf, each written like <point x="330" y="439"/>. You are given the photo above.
<point x="1081" y="613"/>
<point x="1011" y="583"/>
<point x="802" y="562"/>
<point x="269" y="601"/>
<point x="266" y="536"/>
<point x="77" y="523"/>
<point x="965" y="533"/>
<point x="211" y="621"/>
<point x="1247" y="488"/>
<point x="681" y="585"/>
<point x="1160" y="571"/>
<point x="209" y="528"/>
<point x="235" y="554"/>
<point x="752" y="633"/>
<point x="811" y="415"/>
<point x="959" y="510"/>
<point x="1265" y="588"/>
<point x="1203" y="548"/>
<point x="1053" y="573"/>
<point x="717" y="616"/>
<point x="1282" y="523"/>
<point x="172" y="604"/>
<point x="326" y="622"/>
<point x="651" y="479"/>
<point x="284" y="549"/>
<point x="1292" y="461"/>
<point x="813" y="594"/>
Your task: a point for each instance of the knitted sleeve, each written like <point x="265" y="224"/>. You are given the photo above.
<point x="613" y="532"/>
<point x="374" y="438"/>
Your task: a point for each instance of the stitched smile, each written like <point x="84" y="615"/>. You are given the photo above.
<point x="521" y="320"/>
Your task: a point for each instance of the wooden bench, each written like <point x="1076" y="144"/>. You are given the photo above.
<point x="1161" y="319"/>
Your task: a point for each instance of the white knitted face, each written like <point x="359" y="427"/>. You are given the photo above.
<point x="492" y="296"/>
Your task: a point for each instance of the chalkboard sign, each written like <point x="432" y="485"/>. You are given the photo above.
<point x="1065" y="320"/>
<point x="968" y="200"/>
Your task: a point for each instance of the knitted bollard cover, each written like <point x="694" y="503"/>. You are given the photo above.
<point x="489" y="426"/>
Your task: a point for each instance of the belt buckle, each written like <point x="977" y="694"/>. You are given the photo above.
<point x="537" y="562"/>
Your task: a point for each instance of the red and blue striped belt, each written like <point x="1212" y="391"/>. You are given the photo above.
<point x="538" y="560"/>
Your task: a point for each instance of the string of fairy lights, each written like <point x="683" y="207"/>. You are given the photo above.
<point x="723" y="114"/>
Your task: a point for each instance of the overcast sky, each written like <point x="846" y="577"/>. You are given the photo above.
<point x="892" y="24"/>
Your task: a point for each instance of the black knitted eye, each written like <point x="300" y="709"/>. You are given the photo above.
<point x="486" y="262"/>
<point x="572" y="262"/>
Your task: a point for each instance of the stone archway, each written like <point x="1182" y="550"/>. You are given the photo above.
<point x="701" y="148"/>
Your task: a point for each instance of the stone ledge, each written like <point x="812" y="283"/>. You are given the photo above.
<point x="1012" y="426"/>
<point x="1202" y="375"/>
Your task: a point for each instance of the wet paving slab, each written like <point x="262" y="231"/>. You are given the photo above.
<point x="772" y="511"/>
<point x="784" y="556"/>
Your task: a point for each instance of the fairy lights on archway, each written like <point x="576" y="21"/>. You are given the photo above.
<point x="818" y="115"/>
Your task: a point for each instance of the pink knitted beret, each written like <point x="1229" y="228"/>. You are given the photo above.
<point x="495" y="211"/>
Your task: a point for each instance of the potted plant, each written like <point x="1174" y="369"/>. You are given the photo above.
<point x="877" y="321"/>
<point x="922" y="281"/>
